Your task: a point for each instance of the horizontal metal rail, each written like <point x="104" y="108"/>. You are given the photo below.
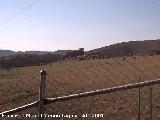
<point x="81" y="95"/>
<point x="18" y="109"/>
<point x="102" y="91"/>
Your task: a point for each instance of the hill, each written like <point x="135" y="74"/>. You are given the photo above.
<point x="36" y="58"/>
<point x="124" y="49"/>
<point x="61" y="52"/>
<point x="132" y="48"/>
<point x="7" y="53"/>
<point x="146" y="47"/>
<point x="22" y="60"/>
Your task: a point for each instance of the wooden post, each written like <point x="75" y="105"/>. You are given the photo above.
<point x="151" y="106"/>
<point x="41" y="94"/>
<point x="139" y="103"/>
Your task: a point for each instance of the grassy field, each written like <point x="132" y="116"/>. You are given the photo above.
<point x="19" y="86"/>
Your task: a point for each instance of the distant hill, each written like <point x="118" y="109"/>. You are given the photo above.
<point x="10" y="58"/>
<point x="37" y="52"/>
<point x="4" y="53"/>
<point x="146" y="47"/>
<point x="22" y="60"/>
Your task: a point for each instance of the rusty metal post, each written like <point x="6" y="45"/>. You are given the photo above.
<point x="151" y="105"/>
<point x="41" y="94"/>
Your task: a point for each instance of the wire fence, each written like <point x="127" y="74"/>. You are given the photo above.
<point x="92" y="75"/>
<point x="42" y="101"/>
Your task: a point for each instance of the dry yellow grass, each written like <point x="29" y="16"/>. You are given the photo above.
<point x="20" y="86"/>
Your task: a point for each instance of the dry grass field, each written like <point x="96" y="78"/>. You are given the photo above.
<point x="20" y="86"/>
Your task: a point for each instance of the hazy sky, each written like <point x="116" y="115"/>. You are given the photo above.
<point x="71" y="24"/>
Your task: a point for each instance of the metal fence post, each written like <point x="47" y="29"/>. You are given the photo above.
<point x="41" y="94"/>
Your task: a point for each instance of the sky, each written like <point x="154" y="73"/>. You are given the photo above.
<point x="49" y="25"/>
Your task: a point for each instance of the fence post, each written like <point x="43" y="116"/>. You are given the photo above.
<point x="41" y="94"/>
<point x="139" y="102"/>
<point x="151" y="106"/>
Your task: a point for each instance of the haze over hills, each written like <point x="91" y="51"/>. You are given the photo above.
<point x="115" y="50"/>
